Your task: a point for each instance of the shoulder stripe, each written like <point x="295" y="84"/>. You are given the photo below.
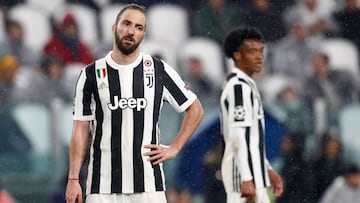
<point x="170" y="84"/>
<point x="231" y="75"/>
<point x="88" y="89"/>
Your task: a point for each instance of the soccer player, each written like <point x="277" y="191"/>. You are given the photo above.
<point x="245" y="170"/>
<point x="118" y="100"/>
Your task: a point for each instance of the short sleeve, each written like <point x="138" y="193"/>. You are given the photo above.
<point x="176" y="92"/>
<point x="83" y="100"/>
<point x="240" y="105"/>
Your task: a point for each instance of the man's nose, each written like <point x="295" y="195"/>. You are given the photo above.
<point x="131" y="30"/>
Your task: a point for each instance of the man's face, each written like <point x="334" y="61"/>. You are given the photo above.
<point x="251" y="56"/>
<point x="129" y="31"/>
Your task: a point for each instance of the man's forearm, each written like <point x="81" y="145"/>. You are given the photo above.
<point x="194" y="115"/>
<point x="78" y="147"/>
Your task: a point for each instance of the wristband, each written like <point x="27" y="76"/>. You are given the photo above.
<point x="73" y="178"/>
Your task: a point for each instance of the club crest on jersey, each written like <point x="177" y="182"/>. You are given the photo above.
<point x="101" y="73"/>
<point x="149" y="77"/>
<point x="124" y="103"/>
<point x="239" y="113"/>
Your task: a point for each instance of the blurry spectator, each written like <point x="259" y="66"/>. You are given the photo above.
<point x="215" y="18"/>
<point x="214" y="190"/>
<point x="178" y="195"/>
<point x="348" y="21"/>
<point x="263" y="16"/>
<point x="345" y="188"/>
<point x="318" y="21"/>
<point x="295" y="170"/>
<point x="328" y="165"/>
<point x="13" y="139"/>
<point x="47" y="83"/>
<point x="291" y="55"/>
<point x="14" y="45"/>
<point x="66" y="44"/>
<point x="9" y="68"/>
<point x="196" y="78"/>
<point x="335" y="87"/>
<point x="289" y="108"/>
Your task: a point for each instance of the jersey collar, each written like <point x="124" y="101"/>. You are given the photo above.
<point x="113" y="64"/>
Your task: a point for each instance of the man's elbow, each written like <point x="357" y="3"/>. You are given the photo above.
<point x="197" y="110"/>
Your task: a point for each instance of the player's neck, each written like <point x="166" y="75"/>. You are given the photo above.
<point x="123" y="59"/>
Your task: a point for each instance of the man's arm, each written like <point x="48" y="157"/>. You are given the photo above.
<point x="78" y="148"/>
<point x="192" y="119"/>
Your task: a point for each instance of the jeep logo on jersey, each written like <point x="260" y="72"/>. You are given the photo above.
<point x="132" y="103"/>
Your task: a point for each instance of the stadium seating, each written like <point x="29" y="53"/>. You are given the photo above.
<point x="271" y="85"/>
<point x="107" y="17"/>
<point x="163" y="50"/>
<point x="167" y="22"/>
<point x="2" y="26"/>
<point x="349" y="132"/>
<point x="210" y="54"/>
<point x="343" y="55"/>
<point x="35" y="23"/>
<point x="35" y="121"/>
<point x="45" y="6"/>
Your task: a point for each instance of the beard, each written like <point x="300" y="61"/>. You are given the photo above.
<point x="127" y="50"/>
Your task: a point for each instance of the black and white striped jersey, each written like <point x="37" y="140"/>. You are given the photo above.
<point x="124" y="103"/>
<point x="243" y="128"/>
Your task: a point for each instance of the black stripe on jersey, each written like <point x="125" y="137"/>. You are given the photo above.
<point x="231" y="75"/>
<point x="81" y="72"/>
<point x="159" y="72"/>
<point x="226" y="103"/>
<point x="238" y="94"/>
<point x="251" y="96"/>
<point x="116" y="122"/>
<point x="171" y="86"/>
<point x="236" y="177"/>
<point x="87" y="90"/>
<point x="247" y="137"/>
<point x="95" y="181"/>
<point x="261" y="148"/>
<point x="239" y="103"/>
<point x="138" y="92"/>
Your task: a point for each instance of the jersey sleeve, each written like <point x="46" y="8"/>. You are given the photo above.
<point x="240" y="119"/>
<point x="83" y="100"/>
<point x="176" y="92"/>
<point x="240" y="105"/>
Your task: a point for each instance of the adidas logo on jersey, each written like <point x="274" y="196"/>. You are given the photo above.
<point x="132" y="103"/>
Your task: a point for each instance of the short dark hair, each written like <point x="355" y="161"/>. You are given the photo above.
<point x="130" y="6"/>
<point x="235" y="39"/>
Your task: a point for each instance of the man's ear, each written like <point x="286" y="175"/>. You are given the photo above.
<point x="113" y="28"/>
<point x="237" y="55"/>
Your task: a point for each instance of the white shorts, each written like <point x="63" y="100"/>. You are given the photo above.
<point x="144" y="197"/>
<point x="261" y="197"/>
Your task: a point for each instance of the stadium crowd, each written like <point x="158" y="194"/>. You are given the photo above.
<point x="311" y="86"/>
